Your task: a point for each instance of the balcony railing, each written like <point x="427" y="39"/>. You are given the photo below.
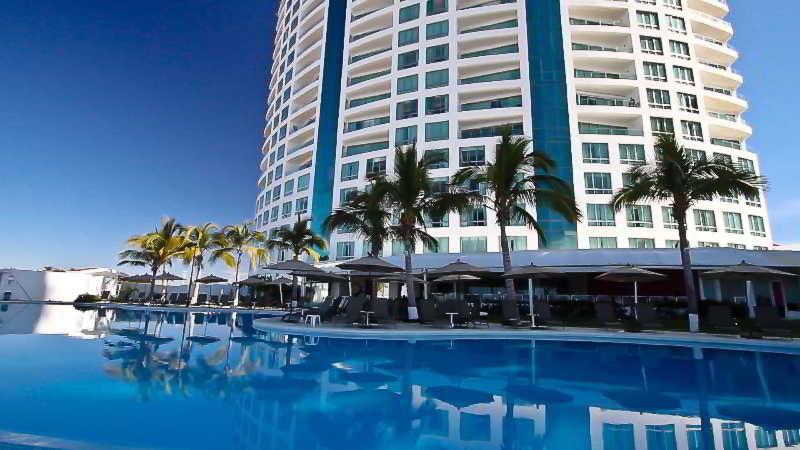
<point x="580" y="73"/>
<point x="489" y="3"/>
<point x="594" y="100"/>
<point x="596" y="22"/>
<point x="366" y="100"/>
<point x="513" y="23"/>
<point x="506" y="102"/>
<point x="497" y="76"/>
<point x="729" y="143"/>
<point x="367" y="77"/>
<point x="362" y="124"/>
<point x="502" y="50"/>
<point x="613" y="130"/>
<point x="579" y="46"/>
<point x="357" y="58"/>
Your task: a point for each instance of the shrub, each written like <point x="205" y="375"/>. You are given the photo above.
<point x="87" y="298"/>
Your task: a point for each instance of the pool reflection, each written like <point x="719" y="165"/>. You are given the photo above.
<point x="293" y="392"/>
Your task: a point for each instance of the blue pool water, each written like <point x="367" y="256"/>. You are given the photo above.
<point x="115" y="378"/>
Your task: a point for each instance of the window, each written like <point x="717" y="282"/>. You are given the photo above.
<point x="442" y="247"/>
<point x="679" y="49"/>
<point x="436" y="78"/>
<point x="707" y="244"/>
<point x="672" y="243"/>
<point x="405" y="135"/>
<point x="437" y="104"/>
<point x="302" y="182"/>
<point x="409" y="13"/>
<point x="438" y="158"/>
<point x="747" y="166"/>
<point x="697" y="155"/>
<point x="723" y="158"/>
<point x="683" y="75"/>
<point x="437" y="131"/>
<point x="408" y="37"/>
<point x="704" y="220"/>
<point x="618" y="436"/>
<point x="655" y="71"/>
<point x="436" y="30"/>
<point x="602" y="242"/>
<point x="733" y="223"/>
<point x="407" y="60"/>
<point x="647" y="19"/>
<point x="757" y="227"/>
<point x="286" y="210"/>
<point x="472" y="156"/>
<point x="439" y="221"/>
<point x="437" y="53"/>
<point x="595" y="153"/>
<point x="754" y="200"/>
<point x="276" y="193"/>
<point x="439" y="185"/>
<point x="288" y="187"/>
<point x="651" y="45"/>
<point x="347" y="194"/>
<point x="473" y="217"/>
<point x="676" y="24"/>
<point x="660" y="436"/>
<point x="639" y="216"/>
<point x="301" y="205"/>
<point x="674" y="4"/>
<point x="600" y="215"/>
<point x="406" y="109"/>
<point x="669" y="220"/>
<point x="436" y="7"/>
<point x="631" y="154"/>
<point x="279" y="172"/>
<point x="692" y="131"/>
<point x="345" y="250"/>
<point x="398" y="248"/>
<point x="688" y="102"/>
<point x="407" y="84"/>
<point x="349" y="171"/>
<point x="475" y="244"/>
<point x="662" y="125"/>
<point x="376" y="166"/>
<point x="658" y="98"/>
<point x="641" y="243"/>
<point x="597" y="182"/>
<point x="273" y="214"/>
<point x="517" y="243"/>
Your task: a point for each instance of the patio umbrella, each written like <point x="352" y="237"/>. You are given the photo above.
<point x="370" y="266"/>
<point x="747" y="272"/>
<point x="293" y="266"/>
<point x="458" y="396"/>
<point x="532" y="272"/>
<point x="280" y="282"/>
<point x="631" y="274"/>
<point x="209" y="280"/>
<point x="456" y="278"/>
<point x="137" y="279"/>
<point x="458" y="267"/>
<point x="166" y="277"/>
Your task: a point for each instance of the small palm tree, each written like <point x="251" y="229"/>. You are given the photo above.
<point x="199" y="241"/>
<point x="155" y="250"/>
<point x="680" y="180"/>
<point x="300" y="239"/>
<point x="518" y="178"/>
<point x="366" y="215"/>
<point x="412" y="195"/>
<point x="235" y="242"/>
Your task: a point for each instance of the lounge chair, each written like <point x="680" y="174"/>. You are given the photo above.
<point x="768" y="320"/>
<point x="202" y="299"/>
<point x="225" y="300"/>
<point x="464" y="317"/>
<point x="510" y="309"/>
<point x="544" y="315"/>
<point x="183" y="298"/>
<point x="427" y="311"/>
<point x="352" y="313"/>
<point x="475" y="314"/>
<point x="647" y="315"/>
<point x="214" y="300"/>
<point x="606" y="314"/>
<point x="380" y="311"/>
<point x="720" y="318"/>
<point x="173" y="298"/>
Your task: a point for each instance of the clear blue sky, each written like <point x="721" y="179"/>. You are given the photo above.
<point x="114" y="113"/>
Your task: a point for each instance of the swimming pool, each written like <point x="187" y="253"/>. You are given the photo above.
<point x="113" y="378"/>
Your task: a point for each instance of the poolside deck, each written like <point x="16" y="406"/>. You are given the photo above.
<point x="414" y="331"/>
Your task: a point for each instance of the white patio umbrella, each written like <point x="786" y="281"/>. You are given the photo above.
<point x="532" y="272"/>
<point x="747" y="272"/>
<point x="631" y="274"/>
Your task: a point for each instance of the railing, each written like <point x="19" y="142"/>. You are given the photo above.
<point x="366" y="100"/>
<point x="497" y="76"/>
<point x="355" y="17"/>
<point x="579" y="46"/>
<point x="596" y="22"/>
<point x="502" y="50"/>
<point x="357" y="58"/>
<point x="594" y="100"/>
<point x="368" y="33"/>
<point x="490" y="2"/>
<point x="506" y="102"/>
<point x="491" y="131"/>
<point x="727" y="143"/>
<point x="612" y="130"/>
<point x="362" y="124"/>
<point x="724" y="91"/>
<point x="580" y="73"/>
<point x="367" y="77"/>
<point x="713" y="41"/>
<point x="513" y="23"/>
<point x="300" y="147"/>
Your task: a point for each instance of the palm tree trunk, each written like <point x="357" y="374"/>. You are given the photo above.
<point x="236" y="280"/>
<point x="412" y="296"/>
<point x="153" y="283"/>
<point x="688" y="277"/>
<point x="191" y="274"/>
<point x="506" y="260"/>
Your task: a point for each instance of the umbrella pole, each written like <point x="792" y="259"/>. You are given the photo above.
<point x="530" y="301"/>
<point x="280" y="293"/>
<point x="425" y="283"/>
<point x="635" y="298"/>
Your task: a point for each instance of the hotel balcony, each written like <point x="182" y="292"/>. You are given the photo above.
<point x="488" y="77"/>
<point x="591" y="18"/>
<point x="368" y="72"/>
<point x="728" y="126"/>
<point x="602" y="102"/>
<point x="714" y="51"/>
<point x="721" y="99"/>
<point x="720" y="75"/>
<point x="490" y="128"/>
<point x="308" y="40"/>
<point x="593" y="73"/>
<point x="366" y="13"/>
<point x="711" y="26"/>
<point x="492" y="23"/>
<point x="497" y="99"/>
<point x="716" y="8"/>
<point x="602" y="42"/>
<point x="601" y="124"/>
<point x="481" y="6"/>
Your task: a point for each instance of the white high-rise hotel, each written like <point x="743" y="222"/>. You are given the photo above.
<point x="593" y="82"/>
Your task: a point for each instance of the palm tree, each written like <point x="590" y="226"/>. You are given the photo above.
<point x="412" y="195"/>
<point x="519" y="177"/>
<point x="299" y="239"/>
<point x="366" y="215"/>
<point x="235" y="242"/>
<point x="155" y="250"/>
<point x="681" y="180"/>
<point x="199" y="240"/>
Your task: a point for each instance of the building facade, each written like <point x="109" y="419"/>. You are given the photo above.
<point x="592" y="82"/>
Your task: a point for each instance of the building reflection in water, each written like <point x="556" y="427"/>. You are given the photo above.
<point x="292" y="392"/>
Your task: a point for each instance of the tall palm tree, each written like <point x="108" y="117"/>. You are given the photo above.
<point x="412" y="195"/>
<point x="518" y="178"/>
<point x="155" y="250"/>
<point x="681" y="181"/>
<point x="366" y="215"/>
<point x="199" y="241"/>
<point x="300" y="239"/>
<point x="235" y="242"/>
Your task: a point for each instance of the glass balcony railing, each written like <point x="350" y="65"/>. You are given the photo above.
<point x="362" y="124"/>
<point x="593" y="100"/>
<point x="579" y="46"/>
<point x="506" y="102"/>
<point x="357" y="58"/>
<point x="723" y="116"/>
<point x="489" y="3"/>
<point x="357" y="37"/>
<point x="365" y="100"/>
<point x="597" y="22"/>
<point x="513" y="23"/>
<point x="297" y="148"/>
<point x="351" y="150"/>
<point x="367" y="77"/>
<point x="730" y="143"/>
<point x="497" y="76"/>
<point x="491" y="131"/>
<point x="580" y="73"/>
<point x="613" y="130"/>
<point x="502" y="50"/>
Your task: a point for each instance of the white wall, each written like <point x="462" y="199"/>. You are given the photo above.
<point x="42" y="285"/>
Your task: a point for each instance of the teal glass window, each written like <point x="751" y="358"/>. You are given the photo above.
<point x="407" y="109"/>
<point x="407" y="84"/>
<point x="475" y="244"/>
<point x="349" y="171"/>
<point x="437" y="78"/>
<point x="438" y="104"/>
<point x="436" y="7"/>
<point x="408" y="37"/>
<point x="409" y="13"/>
<point x="438" y="158"/>
<point x="437" y="53"/>
<point x="405" y="135"/>
<point x="407" y="60"/>
<point x="437" y="29"/>
<point x="437" y="131"/>
<point x="302" y="182"/>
